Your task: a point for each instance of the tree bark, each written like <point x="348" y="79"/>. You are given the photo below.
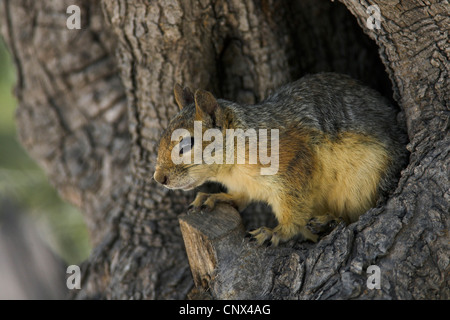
<point x="93" y="103"/>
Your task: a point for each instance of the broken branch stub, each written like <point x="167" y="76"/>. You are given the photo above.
<point x="211" y="240"/>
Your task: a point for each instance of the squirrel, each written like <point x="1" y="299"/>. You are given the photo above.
<point x="339" y="149"/>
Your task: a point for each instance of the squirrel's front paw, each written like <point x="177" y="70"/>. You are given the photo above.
<point x="200" y="202"/>
<point x="207" y="201"/>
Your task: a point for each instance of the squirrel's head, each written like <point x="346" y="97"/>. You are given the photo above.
<point x="178" y="165"/>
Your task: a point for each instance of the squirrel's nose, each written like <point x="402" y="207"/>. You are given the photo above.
<point x="160" y="177"/>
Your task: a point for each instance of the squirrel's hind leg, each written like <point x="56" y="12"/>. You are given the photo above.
<point x="281" y="233"/>
<point x="292" y="224"/>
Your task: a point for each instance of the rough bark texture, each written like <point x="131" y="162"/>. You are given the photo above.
<point x="93" y="103"/>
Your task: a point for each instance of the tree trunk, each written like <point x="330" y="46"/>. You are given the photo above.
<point x="93" y="103"/>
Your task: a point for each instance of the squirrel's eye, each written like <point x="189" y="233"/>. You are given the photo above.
<point x="186" y="145"/>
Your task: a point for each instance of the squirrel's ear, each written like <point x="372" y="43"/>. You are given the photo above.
<point x="205" y="104"/>
<point x="183" y="97"/>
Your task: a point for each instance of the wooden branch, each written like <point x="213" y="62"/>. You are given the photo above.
<point x="225" y="265"/>
<point x="211" y="239"/>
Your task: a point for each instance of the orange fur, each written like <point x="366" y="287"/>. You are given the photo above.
<point x="332" y="177"/>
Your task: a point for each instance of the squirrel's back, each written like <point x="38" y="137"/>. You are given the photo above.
<point x="329" y="102"/>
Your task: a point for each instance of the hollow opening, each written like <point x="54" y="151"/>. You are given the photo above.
<point x="317" y="36"/>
